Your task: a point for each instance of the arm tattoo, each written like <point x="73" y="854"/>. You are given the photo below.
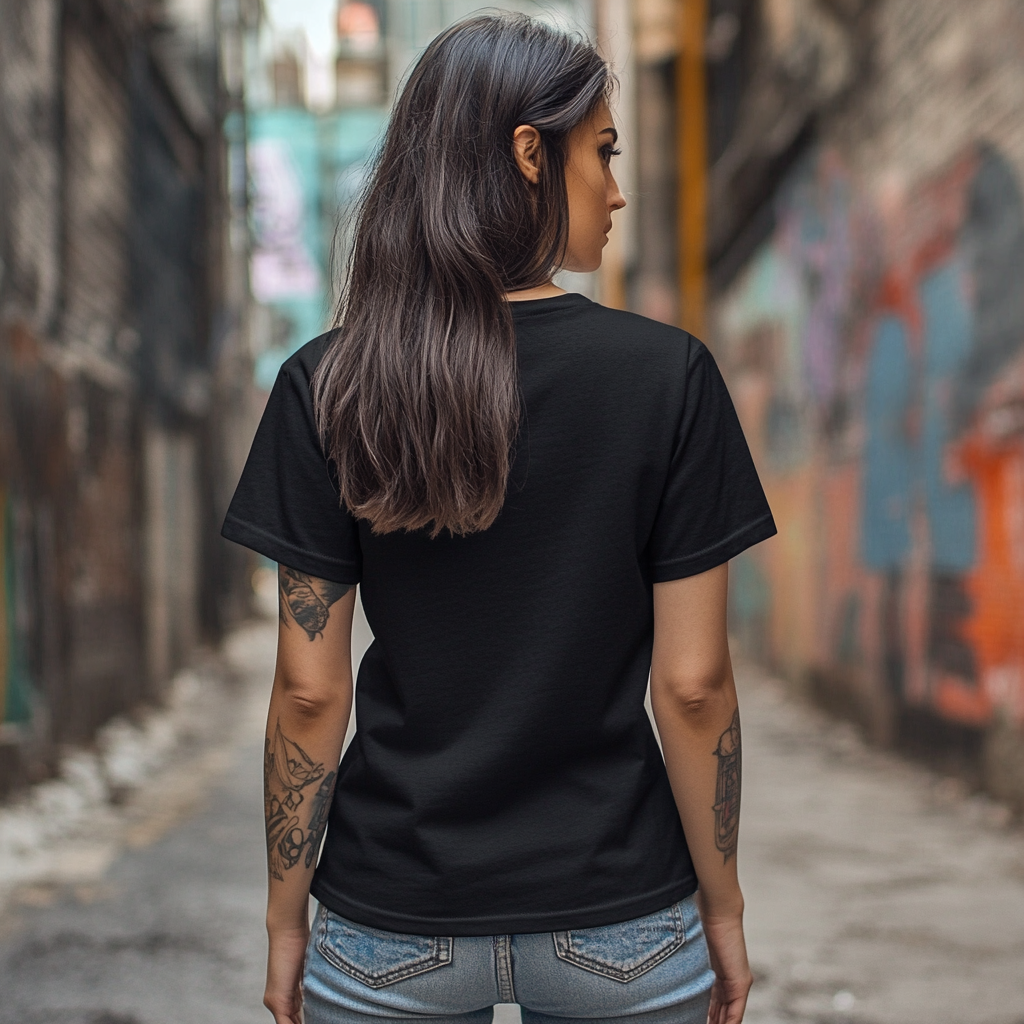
<point x="727" y="788"/>
<point x="319" y="808"/>
<point x="287" y="771"/>
<point x="306" y="599"/>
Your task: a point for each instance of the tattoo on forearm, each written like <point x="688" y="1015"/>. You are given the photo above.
<point x="727" y="789"/>
<point x="319" y="808"/>
<point x="287" y="771"/>
<point x="307" y="600"/>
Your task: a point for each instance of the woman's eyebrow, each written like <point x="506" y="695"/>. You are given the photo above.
<point x="610" y="131"/>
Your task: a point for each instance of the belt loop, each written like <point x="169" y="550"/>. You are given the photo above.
<point x="503" y="967"/>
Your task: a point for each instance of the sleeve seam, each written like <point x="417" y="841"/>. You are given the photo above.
<point x="231" y="520"/>
<point x="725" y="542"/>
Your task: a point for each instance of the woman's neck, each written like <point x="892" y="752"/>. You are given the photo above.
<point x="541" y="291"/>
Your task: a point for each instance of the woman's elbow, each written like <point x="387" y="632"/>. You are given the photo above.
<point x="312" y="699"/>
<point x="692" y="695"/>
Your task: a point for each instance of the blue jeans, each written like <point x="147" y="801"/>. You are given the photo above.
<point x="651" y="970"/>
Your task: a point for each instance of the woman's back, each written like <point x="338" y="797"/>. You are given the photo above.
<point x="504" y="776"/>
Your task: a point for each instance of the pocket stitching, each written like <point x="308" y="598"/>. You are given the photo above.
<point x="564" y="951"/>
<point x="439" y="956"/>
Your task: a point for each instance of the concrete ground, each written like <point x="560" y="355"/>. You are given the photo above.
<point x="153" y="913"/>
<point x="877" y="892"/>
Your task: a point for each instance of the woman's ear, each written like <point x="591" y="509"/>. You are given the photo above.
<point x="527" y="149"/>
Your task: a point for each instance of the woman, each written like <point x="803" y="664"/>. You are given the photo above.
<point x="538" y="497"/>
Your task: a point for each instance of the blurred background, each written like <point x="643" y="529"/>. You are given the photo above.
<point x="829" y="192"/>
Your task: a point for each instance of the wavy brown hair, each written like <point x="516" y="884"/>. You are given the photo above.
<point x="417" y="393"/>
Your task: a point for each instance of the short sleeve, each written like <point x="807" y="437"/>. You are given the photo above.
<point x="712" y="506"/>
<point x="286" y="505"/>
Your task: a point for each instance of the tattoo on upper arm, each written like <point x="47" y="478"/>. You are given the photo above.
<point x="287" y="772"/>
<point x="727" y="789"/>
<point x="306" y="599"/>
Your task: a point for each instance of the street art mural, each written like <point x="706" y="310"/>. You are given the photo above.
<point x="875" y="349"/>
<point x="306" y="170"/>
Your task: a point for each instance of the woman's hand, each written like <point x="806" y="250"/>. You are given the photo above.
<point x="733" y="979"/>
<point x="283" y="995"/>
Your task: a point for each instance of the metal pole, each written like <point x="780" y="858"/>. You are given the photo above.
<point x="692" y="162"/>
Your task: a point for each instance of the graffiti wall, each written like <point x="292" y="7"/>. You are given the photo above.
<point x="306" y="169"/>
<point x="875" y="348"/>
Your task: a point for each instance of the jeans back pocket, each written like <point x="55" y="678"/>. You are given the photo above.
<point x="378" y="958"/>
<point x="625" y="950"/>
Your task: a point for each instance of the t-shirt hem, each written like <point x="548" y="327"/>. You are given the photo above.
<point x="738" y="541"/>
<point x="284" y="553"/>
<point x="555" y="921"/>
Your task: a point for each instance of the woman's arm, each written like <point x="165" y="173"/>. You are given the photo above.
<point x="309" y="712"/>
<point x="694" y="700"/>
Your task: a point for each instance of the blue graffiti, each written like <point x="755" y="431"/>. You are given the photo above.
<point x="947" y="336"/>
<point x="899" y="467"/>
<point x="888" y="455"/>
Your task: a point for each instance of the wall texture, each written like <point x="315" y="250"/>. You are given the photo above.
<point x="114" y="332"/>
<point x="874" y="343"/>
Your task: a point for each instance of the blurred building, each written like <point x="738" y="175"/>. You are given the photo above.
<point x="865" y="277"/>
<point x="124" y="371"/>
<point x="314" y="110"/>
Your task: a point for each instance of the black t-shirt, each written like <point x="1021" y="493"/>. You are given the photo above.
<point x="504" y="776"/>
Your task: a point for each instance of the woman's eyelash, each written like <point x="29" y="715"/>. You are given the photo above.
<point x="610" y="151"/>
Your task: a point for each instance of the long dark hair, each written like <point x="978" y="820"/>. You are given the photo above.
<point x="417" y="394"/>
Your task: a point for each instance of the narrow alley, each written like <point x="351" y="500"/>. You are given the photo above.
<point x="829" y="194"/>
<point x="877" y="892"/>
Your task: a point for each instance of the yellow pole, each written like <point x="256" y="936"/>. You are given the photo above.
<point x="4" y="639"/>
<point x="692" y="164"/>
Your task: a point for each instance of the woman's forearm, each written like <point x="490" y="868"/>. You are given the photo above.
<point x="299" y="771"/>
<point x="700" y="735"/>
